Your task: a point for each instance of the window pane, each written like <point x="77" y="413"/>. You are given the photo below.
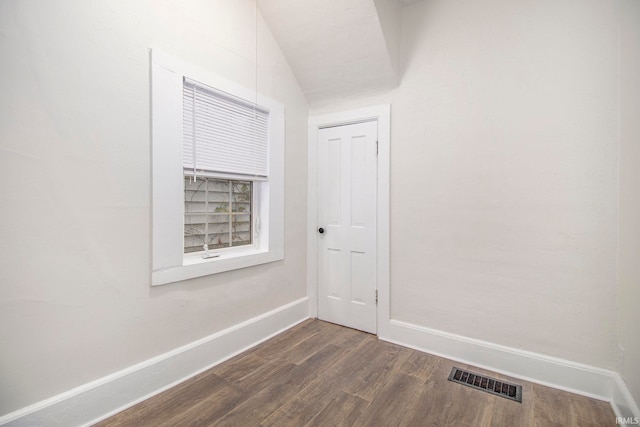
<point x="217" y="213"/>
<point x="241" y="225"/>
<point x="218" y="236"/>
<point x="193" y="236"/>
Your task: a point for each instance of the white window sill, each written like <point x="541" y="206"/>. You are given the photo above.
<point x="238" y="252"/>
<point x="195" y="266"/>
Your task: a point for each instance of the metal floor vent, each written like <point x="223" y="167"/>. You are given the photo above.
<point x="488" y="384"/>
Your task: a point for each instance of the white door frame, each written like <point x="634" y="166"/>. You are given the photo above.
<point x="381" y="114"/>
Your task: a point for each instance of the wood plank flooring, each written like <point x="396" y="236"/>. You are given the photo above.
<point x="320" y="374"/>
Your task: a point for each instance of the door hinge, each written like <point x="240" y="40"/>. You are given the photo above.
<point x="376" y="297"/>
<point x="377" y="147"/>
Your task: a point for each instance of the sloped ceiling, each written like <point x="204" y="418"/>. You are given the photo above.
<point x="337" y="48"/>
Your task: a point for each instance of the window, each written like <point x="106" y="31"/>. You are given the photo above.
<point x="222" y="136"/>
<point x="217" y="172"/>
<point x="217" y="214"/>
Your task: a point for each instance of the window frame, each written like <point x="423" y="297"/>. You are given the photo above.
<point x="169" y="263"/>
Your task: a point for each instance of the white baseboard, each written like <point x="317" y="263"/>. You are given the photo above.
<point x="546" y="370"/>
<point x="106" y="396"/>
<point x="622" y="402"/>
<point x="558" y="373"/>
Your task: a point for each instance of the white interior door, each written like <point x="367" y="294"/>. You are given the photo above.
<point x="347" y="182"/>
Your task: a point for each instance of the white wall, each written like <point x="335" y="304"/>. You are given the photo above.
<point x="629" y="292"/>
<point x="390" y="17"/>
<point x="75" y="301"/>
<point x="504" y="174"/>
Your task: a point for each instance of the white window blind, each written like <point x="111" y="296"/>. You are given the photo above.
<point x="223" y="135"/>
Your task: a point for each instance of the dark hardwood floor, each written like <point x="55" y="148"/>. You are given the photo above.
<point x="320" y="374"/>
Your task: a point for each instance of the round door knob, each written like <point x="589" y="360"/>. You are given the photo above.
<point x="321" y="230"/>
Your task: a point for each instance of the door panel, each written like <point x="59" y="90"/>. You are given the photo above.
<point x="347" y="168"/>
